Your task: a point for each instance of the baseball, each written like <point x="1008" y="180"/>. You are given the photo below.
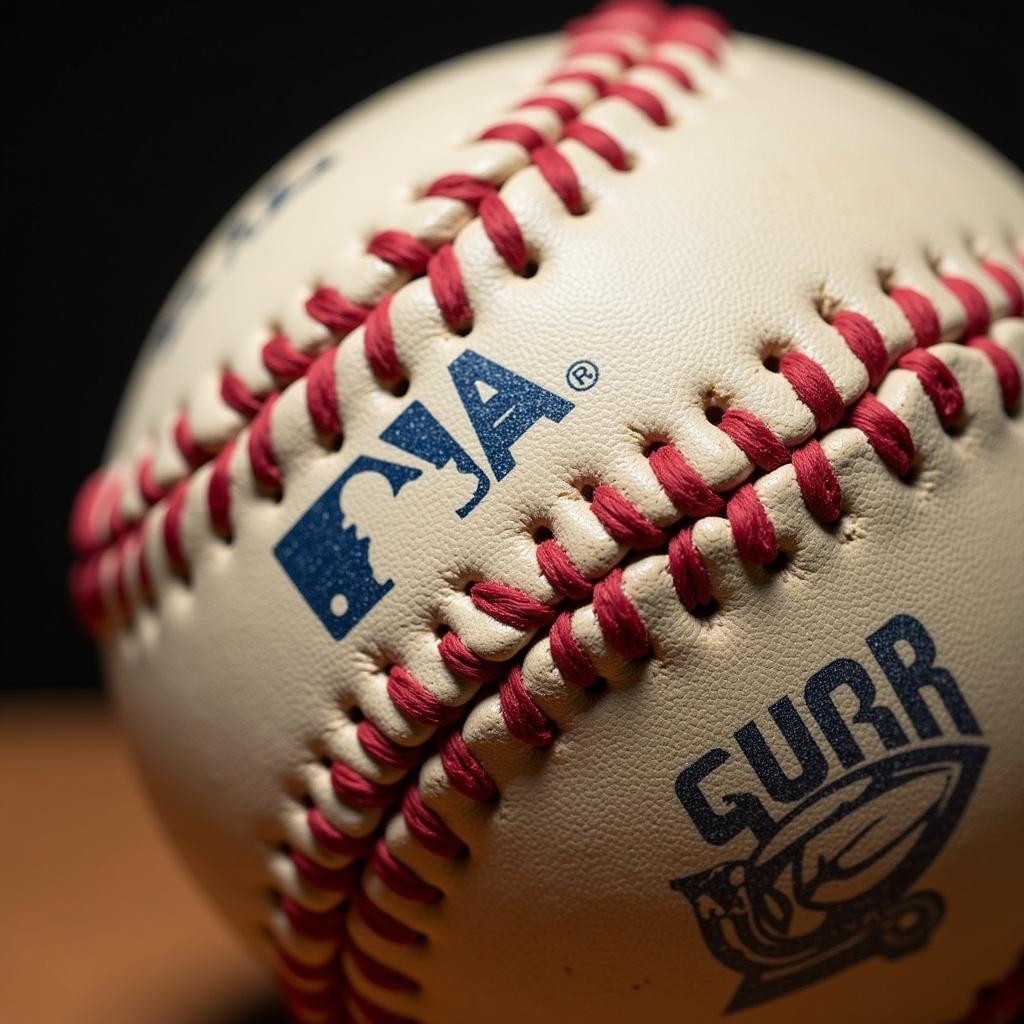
<point x="555" y="556"/>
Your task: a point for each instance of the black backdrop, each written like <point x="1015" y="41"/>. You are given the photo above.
<point x="134" y="130"/>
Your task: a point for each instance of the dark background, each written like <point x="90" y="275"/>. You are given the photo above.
<point x="133" y="131"/>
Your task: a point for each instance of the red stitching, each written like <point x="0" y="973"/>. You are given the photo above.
<point x="374" y="971"/>
<point x="261" y="449"/>
<point x="428" y="828"/>
<point x="560" y="572"/>
<point x="329" y="307"/>
<point x="684" y="486"/>
<point x="564" y="110"/>
<point x="340" y="315"/>
<point x="521" y="134"/>
<point x="921" y="314"/>
<point x="148" y="487"/>
<point x="341" y="880"/>
<point x="814" y="388"/>
<point x="382" y="923"/>
<point x="752" y="436"/>
<point x="1009" y="284"/>
<point x="620" y="622"/>
<point x="643" y="99"/>
<point x="172" y="529"/>
<point x="938" y="382"/>
<point x="218" y="492"/>
<point x="333" y="839"/>
<point x="570" y="659"/>
<point x="504" y="232"/>
<point x="600" y="142"/>
<point x="354" y="788"/>
<point x="235" y="393"/>
<point x="191" y="452"/>
<point x="416" y="702"/>
<point x="752" y="530"/>
<point x="466" y="774"/>
<point x="510" y="606"/>
<point x="449" y="291"/>
<point x="886" y="432"/>
<point x="818" y="483"/>
<point x="326" y="971"/>
<point x="974" y="303"/>
<point x="466" y="663"/>
<point x="379" y="345"/>
<point x="559" y="174"/>
<point x="400" y="878"/>
<point x="1007" y="373"/>
<point x="622" y="520"/>
<point x="321" y="400"/>
<point x="689" y="574"/>
<point x="384" y="750"/>
<point x="400" y="249"/>
<point x="523" y="718"/>
<point x="674" y="71"/>
<point x="323" y="924"/>
<point x="864" y="341"/>
<point x="597" y="82"/>
<point x="283" y="360"/>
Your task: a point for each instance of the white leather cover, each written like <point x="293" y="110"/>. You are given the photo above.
<point x="785" y="189"/>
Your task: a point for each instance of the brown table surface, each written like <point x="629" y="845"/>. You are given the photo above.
<point x="99" y="921"/>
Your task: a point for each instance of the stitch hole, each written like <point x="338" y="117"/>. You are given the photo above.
<point x="958" y="427"/>
<point x="542" y="533"/>
<point x="912" y="475"/>
<point x="399" y="388"/>
<point x="825" y="305"/>
<point x="714" y="413"/>
<point x="771" y="362"/>
<point x="441" y="630"/>
<point x="355" y="714"/>
<point x="779" y="563"/>
<point x="530" y="268"/>
<point x="886" y="279"/>
<point x="706" y="611"/>
<point x="652" y="444"/>
<point x="586" y="491"/>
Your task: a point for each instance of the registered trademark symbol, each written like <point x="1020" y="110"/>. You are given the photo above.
<point x="582" y="375"/>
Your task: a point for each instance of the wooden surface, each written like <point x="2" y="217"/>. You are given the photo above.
<point x="100" y="924"/>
